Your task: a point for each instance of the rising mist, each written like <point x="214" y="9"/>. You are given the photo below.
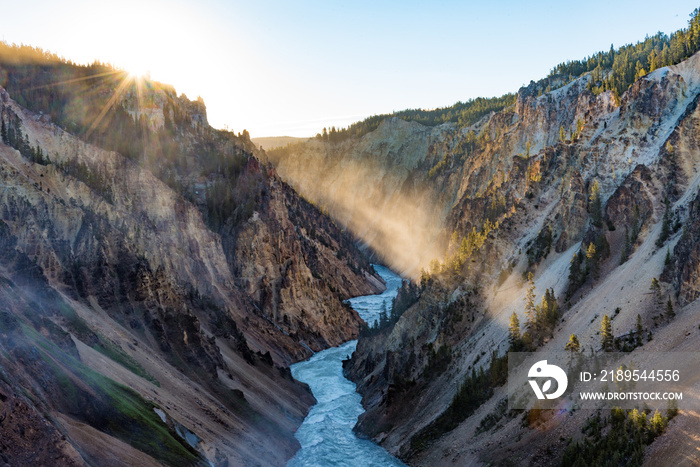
<point x="395" y="215"/>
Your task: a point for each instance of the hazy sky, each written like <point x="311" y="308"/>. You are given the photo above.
<point x="293" y="67"/>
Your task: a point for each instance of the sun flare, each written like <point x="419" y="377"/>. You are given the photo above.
<point x="138" y="71"/>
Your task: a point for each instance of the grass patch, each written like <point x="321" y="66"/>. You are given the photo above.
<point x="111" y="407"/>
<point x="76" y="324"/>
<point x="82" y="331"/>
<point x="115" y="353"/>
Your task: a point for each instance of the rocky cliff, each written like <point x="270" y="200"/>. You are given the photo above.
<point x="153" y="299"/>
<point x="559" y="175"/>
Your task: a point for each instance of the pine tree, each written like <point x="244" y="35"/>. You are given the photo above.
<point x="562" y="134"/>
<point x="590" y="252"/>
<point x="435" y="266"/>
<point x="577" y="277"/>
<point x="24" y="147"/>
<point x="602" y="247"/>
<point x="540" y="323"/>
<point x="658" y="423"/>
<point x="592" y="260"/>
<point x="573" y="345"/>
<point x="383" y="317"/>
<point x="637" y="419"/>
<point x="394" y="315"/>
<point x="424" y="278"/>
<point x="574" y="271"/>
<point x="607" y="339"/>
<point x="639" y="331"/>
<point x="514" y="332"/>
<point x="665" y="225"/>
<point x="549" y="310"/>
<point x="530" y="309"/>
<point x="465" y="250"/>
<point x="11" y="139"/>
<point x="624" y="256"/>
<point x="653" y="61"/>
<point x="656" y="290"/>
<point x="670" y="313"/>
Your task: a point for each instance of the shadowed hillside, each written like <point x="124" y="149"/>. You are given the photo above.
<point x="157" y="279"/>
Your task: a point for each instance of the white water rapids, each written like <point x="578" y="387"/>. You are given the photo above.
<point x="326" y="435"/>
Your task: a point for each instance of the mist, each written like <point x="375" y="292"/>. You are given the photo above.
<point x="396" y="218"/>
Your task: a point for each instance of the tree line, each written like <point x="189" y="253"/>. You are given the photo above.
<point x="616" y="69"/>
<point x="462" y="113"/>
<point x="12" y="135"/>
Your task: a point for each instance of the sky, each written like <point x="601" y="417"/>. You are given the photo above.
<point x="289" y="68"/>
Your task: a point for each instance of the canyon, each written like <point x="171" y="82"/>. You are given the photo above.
<point x="159" y="277"/>
<point x="478" y="208"/>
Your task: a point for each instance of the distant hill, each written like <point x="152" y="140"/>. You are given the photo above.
<point x="272" y="142"/>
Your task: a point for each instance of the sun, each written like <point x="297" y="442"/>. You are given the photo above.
<point x="138" y="70"/>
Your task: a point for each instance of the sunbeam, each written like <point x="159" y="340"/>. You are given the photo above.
<point x="113" y="100"/>
<point x="76" y="80"/>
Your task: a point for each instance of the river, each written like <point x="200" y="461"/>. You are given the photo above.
<point x="326" y="435"/>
